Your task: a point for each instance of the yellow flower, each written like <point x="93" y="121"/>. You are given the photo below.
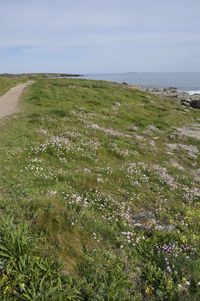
<point x="22" y="286"/>
<point x="6" y="289"/>
<point x="184" y="239"/>
<point x="149" y="290"/>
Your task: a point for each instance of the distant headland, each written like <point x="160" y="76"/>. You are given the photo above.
<point x="44" y="75"/>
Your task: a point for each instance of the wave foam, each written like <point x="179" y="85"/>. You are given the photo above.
<point x="192" y="92"/>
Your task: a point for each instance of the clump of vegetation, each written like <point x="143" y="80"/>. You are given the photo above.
<point x="103" y="190"/>
<point x="26" y="275"/>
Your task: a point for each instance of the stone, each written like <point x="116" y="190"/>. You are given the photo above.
<point x="195" y="104"/>
<point x="185" y="103"/>
<point x="146" y="220"/>
<point x="180" y="97"/>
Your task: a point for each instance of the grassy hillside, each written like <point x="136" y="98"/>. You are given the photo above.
<point x="6" y="83"/>
<point x="99" y="195"/>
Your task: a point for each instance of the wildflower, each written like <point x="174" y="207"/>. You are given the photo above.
<point x="149" y="290"/>
<point x="180" y="286"/>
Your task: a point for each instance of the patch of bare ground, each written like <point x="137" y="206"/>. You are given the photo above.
<point x="191" y="131"/>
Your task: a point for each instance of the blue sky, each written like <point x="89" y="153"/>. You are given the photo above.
<point x="92" y="36"/>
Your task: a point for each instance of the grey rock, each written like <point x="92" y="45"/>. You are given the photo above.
<point x="180" y="97"/>
<point x="146" y="220"/>
<point x="144" y="215"/>
<point x="165" y="228"/>
<point x="195" y="97"/>
<point x="195" y="104"/>
<point x="186" y="103"/>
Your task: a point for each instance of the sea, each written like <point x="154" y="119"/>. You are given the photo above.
<point x="183" y="81"/>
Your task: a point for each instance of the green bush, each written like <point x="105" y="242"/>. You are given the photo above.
<point x="24" y="275"/>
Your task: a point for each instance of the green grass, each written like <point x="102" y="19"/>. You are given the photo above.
<point x="111" y="213"/>
<point x="6" y="83"/>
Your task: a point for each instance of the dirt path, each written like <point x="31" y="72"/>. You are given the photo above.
<point x="9" y="101"/>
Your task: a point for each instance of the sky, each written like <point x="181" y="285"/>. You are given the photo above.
<point x="99" y="36"/>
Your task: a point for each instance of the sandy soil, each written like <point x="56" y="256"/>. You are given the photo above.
<point x="10" y="100"/>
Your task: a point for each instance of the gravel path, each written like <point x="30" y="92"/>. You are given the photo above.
<point x="10" y="100"/>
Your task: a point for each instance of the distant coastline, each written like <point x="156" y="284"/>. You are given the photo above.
<point x="188" y="82"/>
<point x="45" y="75"/>
<point x="183" y="81"/>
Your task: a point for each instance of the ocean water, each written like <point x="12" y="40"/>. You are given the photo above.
<point x="188" y="82"/>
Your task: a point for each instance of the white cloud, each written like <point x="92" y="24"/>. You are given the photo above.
<point x="112" y="32"/>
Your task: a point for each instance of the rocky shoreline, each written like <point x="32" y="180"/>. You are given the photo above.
<point x="182" y="97"/>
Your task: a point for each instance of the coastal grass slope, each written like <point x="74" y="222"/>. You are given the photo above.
<point x="6" y="82"/>
<point x="99" y="195"/>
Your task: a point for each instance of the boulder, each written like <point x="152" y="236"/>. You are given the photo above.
<point x="195" y="101"/>
<point x="195" y="104"/>
<point x="181" y="97"/>
<point x="186" y="103"/>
